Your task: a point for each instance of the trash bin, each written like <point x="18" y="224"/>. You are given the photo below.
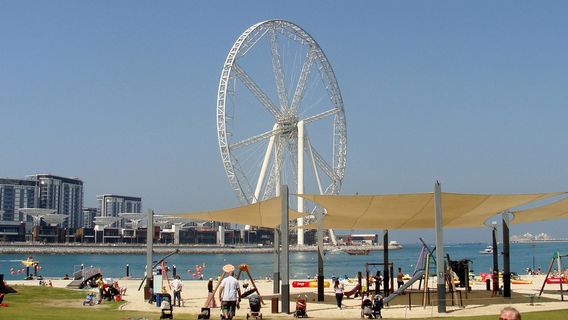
<point x="274" y="302"/>
<point x="488" y="284"/>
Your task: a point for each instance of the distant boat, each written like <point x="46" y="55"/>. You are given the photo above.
<point x="393" y="245"/>
<point x="335" y="251"/>
<point x="488" y="250"/>
<point x="357" y="252"/>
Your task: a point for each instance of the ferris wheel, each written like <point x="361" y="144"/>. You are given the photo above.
<point x="280" y="117"/>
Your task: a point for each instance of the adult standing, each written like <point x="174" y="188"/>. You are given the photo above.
<point x="378" y="278"/>
<point x="177" y="286"/>
<point x="100" y="284"/>
<point x="229" y="293"/>
<point x="399" y="278"/>
<point x="338" y="289"/>
<point x="210" y="296"/>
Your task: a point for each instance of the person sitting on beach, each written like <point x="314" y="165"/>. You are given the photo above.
<point x="510" y="313"/>
<point x="66" y="277"/>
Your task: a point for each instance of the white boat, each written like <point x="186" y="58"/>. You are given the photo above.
<point x="393" y="245"/>
<point x="488" y="250"/>
<point x="335" y="251"/>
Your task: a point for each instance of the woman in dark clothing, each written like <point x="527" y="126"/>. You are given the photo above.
<point x="338" y="288"/>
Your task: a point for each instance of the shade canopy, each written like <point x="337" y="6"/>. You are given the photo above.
<point x="266" y="214"/>
<point x="414" y="211"/>
<point x="552" y="211"/>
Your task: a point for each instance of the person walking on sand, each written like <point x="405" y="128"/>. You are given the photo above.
<point x="338" y="288"/>
<point x="177" y="286"/>
<point x="229" y="295"/>
<point x="510" y="313"/>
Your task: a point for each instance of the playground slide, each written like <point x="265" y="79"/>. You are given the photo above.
<point x="417" y="276"/>
<point x="351" y="292"/>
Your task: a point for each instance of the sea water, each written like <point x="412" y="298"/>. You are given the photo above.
<point x="302" y="264"/>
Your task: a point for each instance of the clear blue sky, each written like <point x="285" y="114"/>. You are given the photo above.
<point x="122" y="94"/>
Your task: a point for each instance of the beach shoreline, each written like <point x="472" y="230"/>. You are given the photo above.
<point x="80" y="248"/>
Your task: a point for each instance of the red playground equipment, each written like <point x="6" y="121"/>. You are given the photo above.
<point x="558" y="278"/>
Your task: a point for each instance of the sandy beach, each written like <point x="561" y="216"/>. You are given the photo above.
<point x="477" y="302"/>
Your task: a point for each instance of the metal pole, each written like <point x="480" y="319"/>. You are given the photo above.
<point x="285" y="289"/>
<point x="495" y="258"/>
<point x="386" y="274"/>
<point x="276" y="265"/>
<point x="440" y="269"/>
<point x="149" y="244"/>
<point x="506" y="257"/>
<point x="320" y="257"/>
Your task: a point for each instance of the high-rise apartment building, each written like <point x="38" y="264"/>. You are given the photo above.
<point x="64" y="195"/>
<point x="110" y="205"/>
<point x="16" y="194"/>
<point x="89" y="215"/>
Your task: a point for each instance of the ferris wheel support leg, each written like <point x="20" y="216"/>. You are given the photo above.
<point x="300" y="181"/>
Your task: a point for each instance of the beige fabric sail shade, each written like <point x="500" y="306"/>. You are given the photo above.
<point x="553" y="211"/>
<point x="266" y="214"/>
<point x="414" y="211"/>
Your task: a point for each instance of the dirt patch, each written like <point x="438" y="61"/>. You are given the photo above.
<point x="67" y="303"/>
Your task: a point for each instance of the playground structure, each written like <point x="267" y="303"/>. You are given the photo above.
<point x="243" y="268"/>
<point x="421" y="274"/>
<point x="559" y="278"/>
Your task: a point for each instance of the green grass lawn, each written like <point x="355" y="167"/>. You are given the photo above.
<point x="54" y="303"/>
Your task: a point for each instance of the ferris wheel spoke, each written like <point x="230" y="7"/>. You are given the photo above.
<point x="326" y="168"/>
<point x="273" y="178"/>
<point x="322" y="115"/>
<point x="302" y="81"/>
<point x="258" y="137"/>
<point x="256" y="91"/>
<point x="278" y="74"/>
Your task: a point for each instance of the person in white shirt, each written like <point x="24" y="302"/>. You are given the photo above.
<point x="177" y="286"/>
<point x="229" y="295"/>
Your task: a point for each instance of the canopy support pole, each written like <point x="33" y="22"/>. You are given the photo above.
<point x="495" y="278"/>
<point x="386" y="274"/>
<point x="440" y="268"/>
<point x="506" y="257"/>
<point x="149" y="248"/>
<point x="284" y="232"/>
<point x="320" y="257"/>
<point x="276" y="266"/>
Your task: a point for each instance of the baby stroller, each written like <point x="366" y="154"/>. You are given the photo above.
<point x="254" y="303"/>
<point x="301" y="306"/>
<point x="372" y="309"/>
<point x="89" y="299"/>
<point x="166" y="306"/>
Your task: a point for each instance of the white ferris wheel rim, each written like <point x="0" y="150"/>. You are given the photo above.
<point x="234" y="173"/>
